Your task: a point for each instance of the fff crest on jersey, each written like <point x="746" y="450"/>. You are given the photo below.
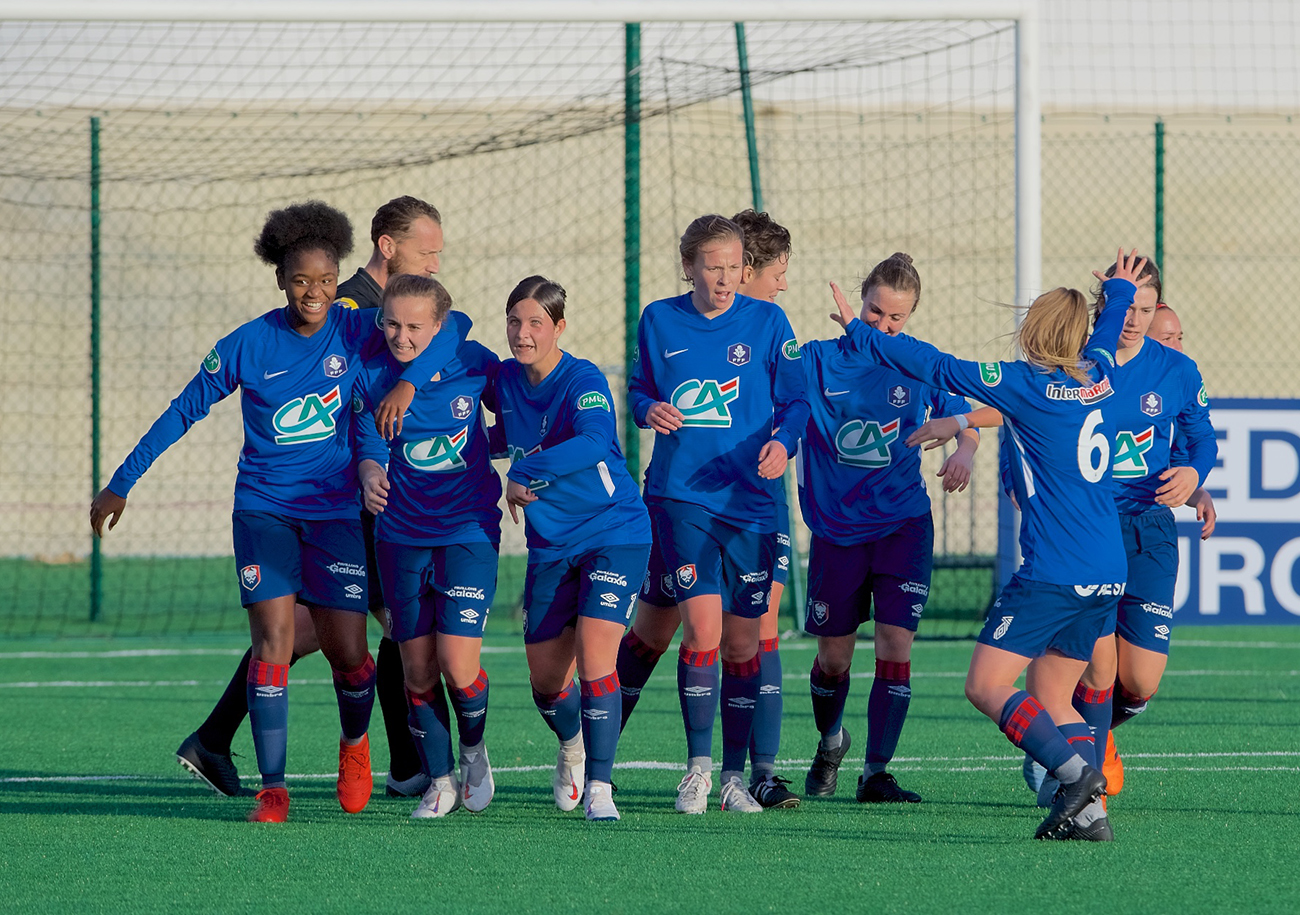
<point x="738" y="354"/>
<point x="462" y="407"/>
<point x="335" y="365"/>
<point x="900" y="396"/>
<point x="1152" y="404"/>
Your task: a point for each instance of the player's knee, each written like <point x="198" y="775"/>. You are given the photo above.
<point x="893" y="643"/>
<point x="656" y="626"/>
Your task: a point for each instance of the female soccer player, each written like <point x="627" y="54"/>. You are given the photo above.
<point x="1058" y="603"/>
<point x="767" y="257"/>
<point x="873" y="538"/>
<point x="718" y="379"/>
<point x="296" y="531"/>
<point x="588" y="539"/>
<point x="434" y="495"/>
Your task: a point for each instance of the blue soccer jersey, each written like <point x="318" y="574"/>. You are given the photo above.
<point x="295" y="396"/>
<point x="1061" y="436"/>
<point x="1160" y="399"/>
<point x="443" y="488"/>
<point x="735" y="378"/>
<point x="857" y="480"/>
<point x="563" y="446"/>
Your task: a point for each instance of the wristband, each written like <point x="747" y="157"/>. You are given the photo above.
<point x="962" y="423"/>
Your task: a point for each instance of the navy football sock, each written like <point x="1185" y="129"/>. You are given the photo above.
<point x="355" y="690"/>
<point x="1126" y="705"/>
<point x="471" y="704"/>
<point x="765" y="741"/>
<point x="561" y="711"/>
<point x="1094" y="705"/>
<point x="636" y="662"/>
<point x="1030" y="727"/>
<point x="891" y="694"/>
<point x="829" y="693"/>
<point x="218" y="729"/>
<point x="429" y="721"/>
<point x="390" y="688"/>
<point x="601" y="702"/>
<point x="1079" y="735"/>
<point x="268" y="717"/>
<point x="739" y="696"/>
<point x="697" y="690"/>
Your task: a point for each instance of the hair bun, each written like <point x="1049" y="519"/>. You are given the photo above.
<point x="899" y="255"/>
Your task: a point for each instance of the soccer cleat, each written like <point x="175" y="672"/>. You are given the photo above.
<point x="823" y="775"/>
<point x="693" y="791"/>
<point x="735" y="799"/>
<point x="1069" y="800"/>
<point x="773" y="794"/>
<point x="414" y="786"/>
<point x="882" y="788"/>
<point x="1047" y="790"/>
<point x="440" y="799"/>
<point x="600" y="803"/>
<point x="272" y="806"/>
<point x="1097" y="831"/>
<point x="1034" y="774"/>
<point x="570" y="773"/>
<point x="476" y="784"/>
<point x="355" y="781"/>
<point x="216" y="770"/>
<point x="1112" y="767"/>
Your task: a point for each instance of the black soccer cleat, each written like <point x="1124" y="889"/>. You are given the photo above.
<point x="882" y="788"/>
<point x="823" y="775"/>
<point x="216" y="770"/>
<point x="1069" y="800"/>
<point x="772" y="794"/>
<point x="1097" y="831"/>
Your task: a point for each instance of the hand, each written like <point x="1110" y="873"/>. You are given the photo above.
<point x="772" y="460"/>
<point x="107" y="504"/>
<point x="518" y="496"/>
<point x="844" y="314"/>
<point x="388" y="415"/>
<point x="956" y="471"/>
<point x="937" y="432"/>
<point x="1181" y="483"/>
<point x="1126" y="268"/>
<point x="374" y="489"/>
<point x="664" y="418"/>
<point x="1205" y="512"/>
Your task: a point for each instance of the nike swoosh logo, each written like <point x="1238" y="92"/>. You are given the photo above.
<point x="406" y="415"/>
<point x="830" y="393"/>
<point x="270" y="375"/>
<point x="574" y="795"/>
<point x="676" y="352"/>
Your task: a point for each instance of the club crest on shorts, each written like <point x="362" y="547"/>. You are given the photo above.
<point x="900" y="396"/>
<point x="819" y="610"/>
<point x="335" y="365"/>
<point x="250" y="576"/>
<point x="462" y="407"/>
<point x="686" y="576"/>
<point x="738" y="354"/>
<point x="1152" y="404"/>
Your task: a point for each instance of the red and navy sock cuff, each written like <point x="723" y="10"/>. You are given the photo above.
<point x="1125" y="695"/>
<point x="261" y="673"/>
<point x="693" y="658"/>
<point x="424" y="698"/>
<point x="748" y="668"/>
<point x="1093" y="696"/>
<point x="474" y="689"/>
<point x="897" y="671"/>
<point x="765" y="646"/>
<point x="361" y="676"/>
<point x="822" y="677"/>
<point x="639" y="648"/>
<point x="1018" y="714"/>
<point x="602" y="686"/>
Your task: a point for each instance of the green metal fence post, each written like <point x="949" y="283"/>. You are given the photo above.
<point x="631" y="230"/>
<point x="1160" y="202"/>
<point x="96" y="559"/>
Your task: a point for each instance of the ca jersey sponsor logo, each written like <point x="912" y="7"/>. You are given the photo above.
<point x="1151" y="403"/>
<point x="704" y="402"/>
<point x="593" y="400"/>
<point x="991" y="374"/>
<point x="462" y="407"/>
<point x="306" y="419"/>
<point x="335" y="365"/>
<point x="440" y="454"/>
<point x="865" y="443"/>
<point x="900" y="396"/>
<point x="1130" y="461"/>
<point x="250" y="576"/>
<point x="1090" y="394"/>
<point x="212" y="361"/>
<point x="738" y="354"/>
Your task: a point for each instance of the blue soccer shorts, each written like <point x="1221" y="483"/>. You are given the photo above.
<point x="600" y="584"/>
<point x="890" y="576"/>
<point x="657" y="589"/>
<point x="376" y="601"/>
<point x="322" y="562"/>
<point x="705" y="555"/>
<point x="781" y="571"/>
<point x="445" y="588"/>
<point x="1030" y="617"/>
<point x="1146" y="611"/>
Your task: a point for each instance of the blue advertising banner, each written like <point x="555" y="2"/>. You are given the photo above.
<point x="1248" y="571"/>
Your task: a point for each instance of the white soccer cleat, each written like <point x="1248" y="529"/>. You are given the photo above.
<point x="476" y="784"/>
<point x="441" y="798"/>
<point x="693" y="791"/>
<point x="570" y="774"/>
<point x="736" y="798"/>
<point x="600" y="802"/>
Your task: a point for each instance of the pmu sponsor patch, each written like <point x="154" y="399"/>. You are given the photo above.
<point x="593" y="400"/>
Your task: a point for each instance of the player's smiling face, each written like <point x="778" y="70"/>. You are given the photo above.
<point x="533" y="337"/>
<point x="409" y="326"/>
<point x="309" y="279"/>
<point x="887" y="309"/>
<point x="768" y="282"/>
<point x="716" y="273"/>
<point x="1166" y="329"/>
<point x="416" y="253"/>
<point x="1138" y="318"/>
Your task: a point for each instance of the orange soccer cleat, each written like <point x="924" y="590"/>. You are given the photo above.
<point x="1113" y="767"/>
<point x="272" y="806"/>
<point x="355" y="781"/>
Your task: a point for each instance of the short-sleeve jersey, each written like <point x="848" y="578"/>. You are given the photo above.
<point x="857" y="480"/>
<point x="562" y="442"/>
<point x="442" y="487"/>
<point x="735" y="378"/>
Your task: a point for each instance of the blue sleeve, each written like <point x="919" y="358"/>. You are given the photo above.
<point x="367" y="443"/>
<point x="491" y="369"/>
<point x="439" y="352"/>
<point x="1101" y="346"/>
<point x="641" y="391"/>
<point x="193" y="403"/>
<point x="1004" y="465"/>
<point x="1195" y="431"/>
<point x="945" y="403"/>
<point x="594" y="431"/>
<point x="790" y="408"/>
